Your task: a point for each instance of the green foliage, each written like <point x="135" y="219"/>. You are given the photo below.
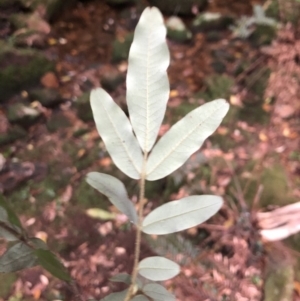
<point x="132" y="146"/>
<point x="25" y="252"/>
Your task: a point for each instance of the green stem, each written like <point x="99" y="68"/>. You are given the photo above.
<point x="131" y="290"/>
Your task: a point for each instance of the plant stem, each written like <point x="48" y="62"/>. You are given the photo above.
<point x="131" y="290"/>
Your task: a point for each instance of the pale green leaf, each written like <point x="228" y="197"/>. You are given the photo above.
<point x="140" y="298"/>
<point x="116" y="192"/>
<point x="116" y="132"/>
<point x="157" y="292"/>
<point x="184" y="138"/>
<point x="123" y="277"/>
<point x="181" y="214"/>
<point x="100" y="214"/>
<point x="120" y="296"/>
<point x="147" y="81"/>
<point x="17" y="257"/>
<point x="158" y="268"/>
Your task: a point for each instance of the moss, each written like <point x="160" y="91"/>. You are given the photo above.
<point x="22" y="114"/>
<point x="57" y="122"/>
<point x="20" y="69"/>
<point x="263" y="35"/>
<point x="84" y="161"/>
<point x="274" y="181"/>
<point x="52" y="7"/>
<point x="121" y="48"/>
<point x="83" y="106"/>
<point x="256" y="84"/>
<point x="272" y="10"/>
<point x="254" y="114"/>
<point x="211" y="21"/>
<point x="175" y="114"/>
<point x="224" y="142"/>
<point x="14" y="133"/>
<point x="179" y="36"/>
<point x="279" y="284"/>
<point x="217" y="86"/>
<point x="47" y="97"/>
<point x="80" y="132"/>
<point x="87" y="197"/>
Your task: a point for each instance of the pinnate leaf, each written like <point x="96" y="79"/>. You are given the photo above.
<point x="12" y="218"/>
<point x="116" y="132"/>
<point x="157" y="292"/>
<point x="181" y="214"/>
<point x="17" y="257"/>
<point x="184" y="138"/>
<point x="10" y="225"/>
<point x="52" y="264"/>
<point x="119" y="296"/>
<point x="140" y="298"/>
<point x="158" y="268"/>
<point x="116" y="192"/>
<point x="147" y="81"/>
<point x="123" y="277"/>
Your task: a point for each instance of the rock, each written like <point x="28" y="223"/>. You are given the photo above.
<point x="14" y="133"/>
<point x="50" y="80"/>
<point x="46" y="96"/>
<point x="211" y="21"/>
<point x="20" y="69"/>
<point x="181" y="7"/>
<point x="22" y="114"/>
<point x="84" y="110"/>
<point x="177" y="30"/>
<point x="111" y="80"/>
<point x="121" y="48"/>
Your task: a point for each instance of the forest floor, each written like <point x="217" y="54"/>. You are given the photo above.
<point x="253" y="161"/>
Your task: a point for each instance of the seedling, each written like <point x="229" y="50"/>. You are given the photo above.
<point x="132" y="146"/>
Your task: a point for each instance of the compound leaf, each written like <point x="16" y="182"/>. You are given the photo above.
<point x="120" y="296"/>
<point x="147" y="81"/>
<point x="184" y="138"/>
<point x="140" y="298"/>
<point x="181" y="214"/>
<point x="51" y="263"/>
<point x="17" y="257"/>
<point x="11" y="216"/>
<point x="158" y="268"/>
<point x="116" y="192"/>
<point x="10" y="225"/>
<point x="116" y="132"/>
<point x="123" y="277"/>
<point x="157" y="292"/>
